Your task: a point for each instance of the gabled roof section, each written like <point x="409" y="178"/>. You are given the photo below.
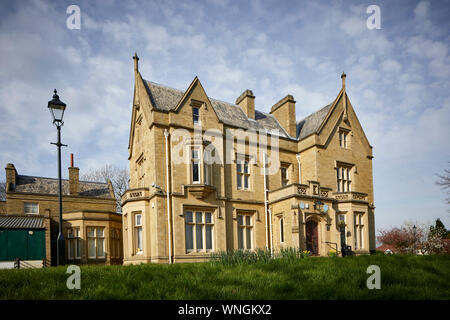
<point x="167" y="99"/>
<point x="41" y="185"/>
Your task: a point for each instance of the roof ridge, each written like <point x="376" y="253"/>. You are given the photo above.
<point x="62" y="179"/>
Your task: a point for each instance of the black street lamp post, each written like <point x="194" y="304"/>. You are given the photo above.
<point x="57" y="108"/>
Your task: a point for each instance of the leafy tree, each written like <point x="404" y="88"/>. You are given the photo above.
<point x="439" y="230"/>
<point x="119" y="178"/>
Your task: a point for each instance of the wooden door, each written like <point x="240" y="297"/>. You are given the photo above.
<point x="312" y="239"/>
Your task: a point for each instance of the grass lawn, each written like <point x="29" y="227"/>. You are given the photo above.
<point x="402" y="277"/>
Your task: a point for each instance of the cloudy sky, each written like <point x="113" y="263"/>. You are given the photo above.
<point x="397" y="78"/>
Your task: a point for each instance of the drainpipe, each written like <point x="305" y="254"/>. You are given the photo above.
<point x="299" y="169"/>
<point x="265" y="199"/>
<point x="169" y="225"/>
<point x="271" y="234"/>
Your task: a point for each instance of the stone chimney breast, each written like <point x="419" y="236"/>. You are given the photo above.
<point x="74" y="178"/>
<point x="247" y="102"/>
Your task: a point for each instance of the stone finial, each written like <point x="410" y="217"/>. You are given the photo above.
<point x="343" y="76"/>
<point x="136" y="64"/>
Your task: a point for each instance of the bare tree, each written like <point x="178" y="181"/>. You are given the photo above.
<point x="2" y="197"/>
<point x="119" y="178"/>
<point x="444" y="182"/>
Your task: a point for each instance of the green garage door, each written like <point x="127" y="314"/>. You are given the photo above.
<point x="22" y="244"/>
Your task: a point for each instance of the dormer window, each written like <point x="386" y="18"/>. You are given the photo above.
<point x="196" y="115"/>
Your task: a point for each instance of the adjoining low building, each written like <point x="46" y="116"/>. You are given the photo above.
<point x="92" y="228"/>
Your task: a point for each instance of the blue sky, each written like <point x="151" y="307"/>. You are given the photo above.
<point x="397" y="78"/>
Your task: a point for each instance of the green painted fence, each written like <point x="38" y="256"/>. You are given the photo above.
<point x="22" y="244"/>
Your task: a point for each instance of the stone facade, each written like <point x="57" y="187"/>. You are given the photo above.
<point x="85" y="205"/>
<point x="181" y="211"/>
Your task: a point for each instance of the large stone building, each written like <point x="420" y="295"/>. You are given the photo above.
<point x="29" y="225"/>
<point x="181" y="206"/>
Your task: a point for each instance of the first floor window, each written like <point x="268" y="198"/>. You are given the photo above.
<point x="199" y="230"/>
<point x="358" y="230"/>
<point x="245" y="231"/>
<point x="96" y="242"/>
<point x="138" y="232"/>
<point x="31" y="207"/>
<point x="284" y="176"/>
<point x="343" y="175"/>
<point x="195" y="164"/>
<point x="73" y="243"/>
<point x="243" y="174"/>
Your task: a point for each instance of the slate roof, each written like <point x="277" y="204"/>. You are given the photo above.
<point x="166" y="98"/>
<point x="21" y="222"/>
<point x="311" y="123"/>
<point x="30" y="184"/>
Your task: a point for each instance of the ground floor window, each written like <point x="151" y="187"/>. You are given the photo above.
<point x="358" y="230"/>
<point x="282" y="230"/>
<point x="199" y="231"/>
<point x="138" y="233"/>
<point x="245" y="231"/>
<point x="73" y="243"/>
<point x="115" y="243"/>
<point x="96" y="242"/>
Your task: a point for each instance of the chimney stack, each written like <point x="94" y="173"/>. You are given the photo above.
<point x="74" y="181"/>
<point x="247" y="102"/>
<point x="284" y="112"/>
<point x="11" y="177"/>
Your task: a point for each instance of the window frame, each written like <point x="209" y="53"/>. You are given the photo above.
<point x="245" y="228"/>
<point x="281" y="228"/>
<point x="284" y="180"/>
<point x="196" y="117"/>
<point x="96" y="239"/>
<point x="242" y="175"/>
<point x="202" y="226"/>
<point x="138" y="230"/>
<point x="344" y="177"/>
<point x="74" y="239"/>
<point x="28" y="204"/>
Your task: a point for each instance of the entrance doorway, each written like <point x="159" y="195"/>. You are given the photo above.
<point x="312" y="238"/>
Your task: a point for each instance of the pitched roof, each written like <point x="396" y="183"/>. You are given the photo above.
<point x="166" y="98"/>
<point x="30" y="184"/>
<point x="311" y="123"/>
<point x="21" y="222"/>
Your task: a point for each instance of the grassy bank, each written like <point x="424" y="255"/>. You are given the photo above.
<point x="402" y="277"/>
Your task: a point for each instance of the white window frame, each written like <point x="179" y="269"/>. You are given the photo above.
<point x="344" y="178"/>
<point x="97" y="239"/>
<point x="202" y="225"/>
<point x="242" y="174"/>
<point x="198" y="162"/>
<point x="359" y="230"/>
<point x="244" y="228"/>
<point x="138" y="231"/>
<point x="33" y="205"/>
<point x="343" y="138"/>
